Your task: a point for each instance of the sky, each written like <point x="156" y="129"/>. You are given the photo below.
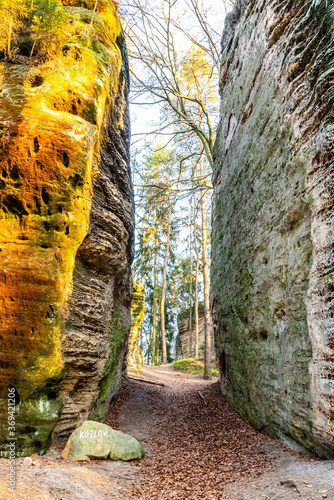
<point x="144" y="117"/>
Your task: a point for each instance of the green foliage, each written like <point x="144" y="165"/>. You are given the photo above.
<point x="42" y="26"/>
<point x="193" y="366"/>
<point x="182" y="282"/>
<point x="163" y="169"/>
<point x="157" y="172"/>
<point x="49" y="26"/>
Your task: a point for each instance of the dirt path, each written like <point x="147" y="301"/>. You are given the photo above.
<point x="193" y="450"/>
<point x="207" y="452"/>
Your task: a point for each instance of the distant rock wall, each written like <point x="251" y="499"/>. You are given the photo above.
<point x="137" y="319"/>
<point x="273" y="267"/>
<point x="185" y="341"/>
<point x="66" y="230"/>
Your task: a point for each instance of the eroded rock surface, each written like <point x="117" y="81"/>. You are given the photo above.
<point x="272" y="273"/>
<point x="66" y="230"/>
<point x="186" y="336"/>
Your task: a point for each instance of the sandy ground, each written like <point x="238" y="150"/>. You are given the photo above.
<point x="193" y="450"/>
<point x="50" y="477"/>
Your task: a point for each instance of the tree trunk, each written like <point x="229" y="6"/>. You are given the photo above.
<point x="10" y="37"/>
<point x="155" y="301"/>
<point x="190" y="289"/>
<point x="196" y="278"/>
<point x="149" y="347"/>
<point x="164" y="275"/>
<point x="207" y="336"/>
<point x="32" y="50"/>
<point x="94" y="10"/>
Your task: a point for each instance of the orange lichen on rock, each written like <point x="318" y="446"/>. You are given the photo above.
<point x="137" y="319"/>
<point x="51" y="120"/>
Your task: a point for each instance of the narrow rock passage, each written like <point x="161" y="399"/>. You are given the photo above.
<point x="192" y="450"/>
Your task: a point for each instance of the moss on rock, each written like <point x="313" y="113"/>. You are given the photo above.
<point x="271" y="215"/>
<point x="109" y="382"/>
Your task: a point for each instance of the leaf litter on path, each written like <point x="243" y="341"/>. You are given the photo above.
<point x="194" y="449"/>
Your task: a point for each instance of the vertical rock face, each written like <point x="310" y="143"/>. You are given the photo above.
<point x="66" y="231"/>
<point x="272" y="273"/>
<point x="137" y="319"/>
<point x="185" y="341"/>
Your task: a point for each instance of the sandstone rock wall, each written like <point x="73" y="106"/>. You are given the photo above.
<point x="185" y="341"/>
<point x="66" y="230"/>
<point x="272" y="272"/>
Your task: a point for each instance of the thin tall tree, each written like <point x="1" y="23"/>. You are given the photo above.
<point x="207" y="332"/>
<point x="198" y="258"/>
<point x="164" y="275"/>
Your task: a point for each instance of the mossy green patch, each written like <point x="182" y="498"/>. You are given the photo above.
<point x="329" y="279"/>
<point x="193" y="366"/>
<point x="118" y="333"/>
